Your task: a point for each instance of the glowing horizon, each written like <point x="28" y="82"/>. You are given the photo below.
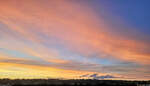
<point x="74" y="39"/>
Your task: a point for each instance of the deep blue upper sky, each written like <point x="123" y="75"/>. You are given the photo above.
<point x="134" y="12"/>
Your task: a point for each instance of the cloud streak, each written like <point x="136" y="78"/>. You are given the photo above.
<point x="97" y="76"/>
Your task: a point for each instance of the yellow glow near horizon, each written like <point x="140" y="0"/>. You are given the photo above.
<point x="11" y="70"/>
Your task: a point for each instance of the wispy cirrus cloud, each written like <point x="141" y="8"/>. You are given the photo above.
<point x="61" y="33"/>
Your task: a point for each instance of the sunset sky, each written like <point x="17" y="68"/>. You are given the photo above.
<point x="104" y="39"/>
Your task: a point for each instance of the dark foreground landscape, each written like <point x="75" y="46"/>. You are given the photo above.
<point x="57" y="82"/>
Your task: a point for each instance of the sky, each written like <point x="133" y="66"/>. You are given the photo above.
<point x="72" y="39"/>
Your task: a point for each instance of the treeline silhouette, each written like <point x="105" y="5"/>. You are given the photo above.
<point x="79" y="82"/>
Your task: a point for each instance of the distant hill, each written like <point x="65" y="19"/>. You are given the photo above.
<point x="81" y="82"/>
